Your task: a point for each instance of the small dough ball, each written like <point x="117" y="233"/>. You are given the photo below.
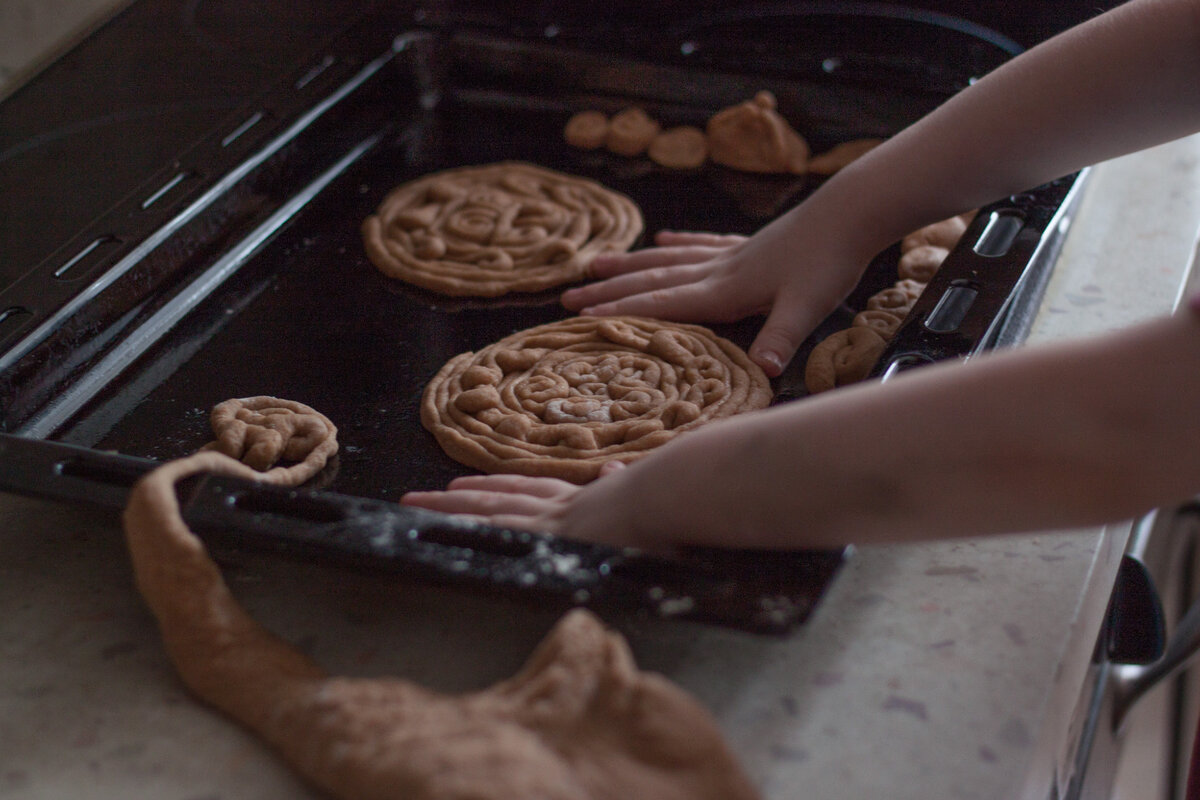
<point x="841" y="155"/>
<point x="685" y="147"/>
<point x="630" y="132"/>
<point x="587" y="130"/>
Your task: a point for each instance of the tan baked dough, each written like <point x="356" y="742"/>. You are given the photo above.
<point x="841" y="155"/>
<point x="945" y="233"/>
<point x="684" y="147"/>
<point x="489" y="230"/>
<point x="564" y="398"/>
<point x="587" y="130"/>
<point x="753" y="136"/>
<point x="843" y="357"/>
<point x="898" y="298"/>
<point x="262" y="431"/>
<point x="630" y="132"/>
<point x="885" y="323"/>
<point x="921" y="263"/>
<point x="578" y="722"/>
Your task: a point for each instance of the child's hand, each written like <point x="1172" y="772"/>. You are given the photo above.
<point x="508" y="501"/>
<point x="704" y="277"/>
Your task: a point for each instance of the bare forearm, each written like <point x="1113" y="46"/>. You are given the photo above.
<point x="1035" y="439"/>
<point x="1120" y="83"/>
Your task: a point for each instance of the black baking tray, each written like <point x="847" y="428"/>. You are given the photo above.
<point x="239" y="270"/>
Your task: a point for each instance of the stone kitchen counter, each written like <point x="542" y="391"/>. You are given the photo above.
<point x="943" y="670"/>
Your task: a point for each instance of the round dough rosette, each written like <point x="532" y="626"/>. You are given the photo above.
<point x="490" y="230"/>
<point x="565" y="398"/>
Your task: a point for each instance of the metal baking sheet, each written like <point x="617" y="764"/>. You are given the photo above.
<point x="240" y="271"/>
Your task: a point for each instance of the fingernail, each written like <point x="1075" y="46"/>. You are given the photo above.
<point x="773" y="361"/>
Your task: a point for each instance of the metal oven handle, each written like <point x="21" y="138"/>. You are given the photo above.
<point x="1132" y="682"/>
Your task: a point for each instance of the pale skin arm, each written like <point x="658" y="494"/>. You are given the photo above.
<point x="1122" y="82"/>
<point x="1055" y="436"/>
<point x="1062" y="435"/>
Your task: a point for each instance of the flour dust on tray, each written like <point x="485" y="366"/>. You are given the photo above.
<point x="563" y="399"/>
<point x="486" y="231"/>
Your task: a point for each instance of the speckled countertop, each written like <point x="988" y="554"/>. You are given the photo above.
<point x="945" y="670"/>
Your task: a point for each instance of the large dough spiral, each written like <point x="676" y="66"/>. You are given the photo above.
<point x="563" y="399"/>
<point x="490" y="230"/>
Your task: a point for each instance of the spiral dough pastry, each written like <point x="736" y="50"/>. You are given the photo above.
<point x="261" y="431"/>
<point x="563" y="399"/>
<point x="490" y="230"/>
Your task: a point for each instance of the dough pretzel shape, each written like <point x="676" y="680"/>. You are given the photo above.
<point x="579" y="722"/>
<point x="261" y="431"/>
<point x="563" y="399"/>
<point x="489" y="230"/>
<point x="842" y="357"/>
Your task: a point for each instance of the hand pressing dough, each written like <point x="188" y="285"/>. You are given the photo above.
<point x="489" y="230"/>
<point x="563" y="399"/>
<point x="841" y="155"/>
<point x="579" y="722"/>
<point x="753" y="137"/>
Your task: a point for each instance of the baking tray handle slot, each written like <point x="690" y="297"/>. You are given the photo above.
<point x="292" y="504"/>
<point x="491" y="541"/>
<point x="999" y="233"/>
<point x="952" y="307"/>
<point x="109" y="473"/>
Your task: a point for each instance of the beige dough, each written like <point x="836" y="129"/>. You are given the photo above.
<point x="753" y="137"/>
<point x="630" y="132"/>
<point x="261" y="431"/>
<point x="898" y="299"/>
<point x="565" y="398"/>
<point x="586" y="130"/>
<point x="945" y="233"/>
<point x="921" y="263"/>
<point x="579" y="722"/>
<point x="489" y="230"/>
<point x="885" y="323"/>
<point x="846" y="356"/>
<point x="841" y="155"/>
<point x="684" y="147"/>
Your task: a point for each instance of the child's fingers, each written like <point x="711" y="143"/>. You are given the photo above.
<point x="611" y="264"/>
<point x="677" y="238"/>
<point x="478" y="503"/>
<point x="517" y="484"/>
<point x="609" y="292"/>
<point x="786" y="327"/>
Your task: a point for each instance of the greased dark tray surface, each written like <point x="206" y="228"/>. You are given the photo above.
<point x="310" y="319"/>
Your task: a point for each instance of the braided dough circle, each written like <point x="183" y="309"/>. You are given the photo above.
<point x="563" y="399"/>
<point x="490" y="230"/>
<point x="262" y="431"/>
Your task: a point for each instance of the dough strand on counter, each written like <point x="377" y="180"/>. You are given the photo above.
<point x="579" y="722"/>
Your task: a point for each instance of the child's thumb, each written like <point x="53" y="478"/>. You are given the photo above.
<point x="781" y="335"/>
